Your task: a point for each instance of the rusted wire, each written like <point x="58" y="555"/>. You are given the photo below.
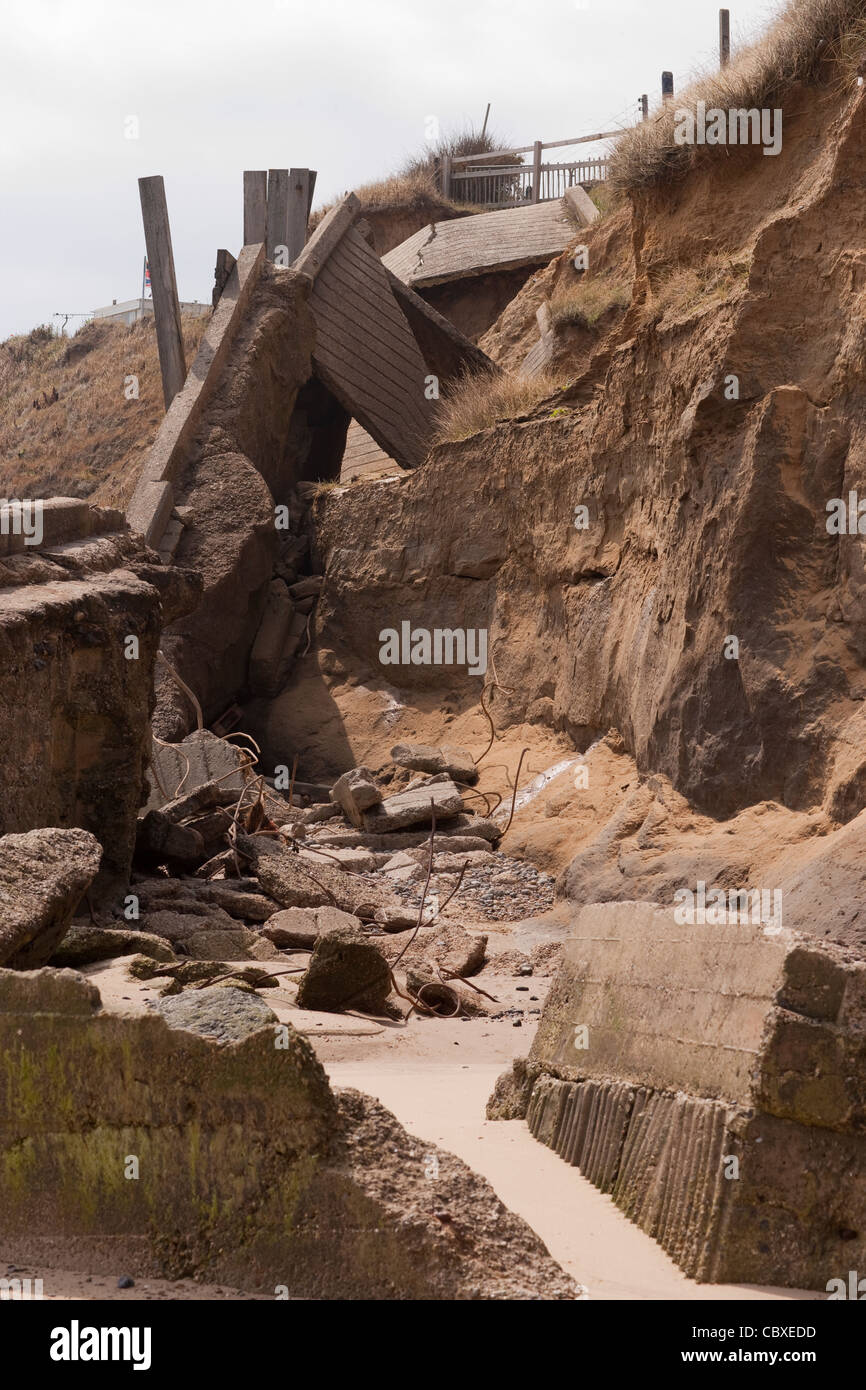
<point x="426" y="885"/>
<point x="516" y="784"/>
<point x="191" y="696"/>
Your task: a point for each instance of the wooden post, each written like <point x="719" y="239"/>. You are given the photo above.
<point x="300" y="199"/>
<point x="166" y="306"/>
<point x="724" y="37"/>
<point x="667" y="86"/>
<point x="536" y="172"/>
<point x="445" y="176"/>
<point x="278" y="211"/>
<point x="255" y="206"/>
<point x="313" y="177"/>
<point x="644" y="107"/>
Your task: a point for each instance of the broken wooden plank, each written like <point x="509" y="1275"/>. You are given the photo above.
<point x="298" y="211"/>
<point x="327" y="235"/>
<point x="365" y="350"/>
<point x="255" y="206"/>
<point x="278" y="216"/>
<point x="480" y="243"/>
<point x="166" y="305"/>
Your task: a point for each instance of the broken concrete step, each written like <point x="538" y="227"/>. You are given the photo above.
<point x="414" y="808"/>
<point x="424" y="757"/>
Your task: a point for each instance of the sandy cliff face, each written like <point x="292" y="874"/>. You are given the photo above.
<point x="705" y="436"/>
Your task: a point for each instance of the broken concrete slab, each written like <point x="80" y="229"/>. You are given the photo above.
<point x="247" y="906"/>
<point x="291" y="882"/>
<point x="302" y="927"/>
<point x="235" y="943"/>
<point x="729" y="1029"/>
<point x="43" y="876"/>
<point x="180" y="768"/>
<point x="228" y="1015"/>
<point x="83" y="944"/>
<point x="423" y="757"/>
<point x="355" y="792"/>
<point x="346" y="971"/>
<point x="414" y="808"/>
<point x="293" y="927"/>
<point x="446" y="947"/>
<point x="270" y="657"/>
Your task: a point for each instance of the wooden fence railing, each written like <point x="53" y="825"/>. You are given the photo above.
<point x="498" y="179"/>
<point x="507" y="185"/>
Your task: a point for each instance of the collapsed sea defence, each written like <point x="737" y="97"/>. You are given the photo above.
<point x="83" y="607"/>
<point x="711" y="1080"/>
<point x="203" y="1140"/>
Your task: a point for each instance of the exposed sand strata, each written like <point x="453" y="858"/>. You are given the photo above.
<point x="707" y="515"/>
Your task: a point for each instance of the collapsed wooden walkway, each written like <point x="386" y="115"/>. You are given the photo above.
<point x="487" y="241"/>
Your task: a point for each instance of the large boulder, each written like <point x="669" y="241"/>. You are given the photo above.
<point x="43" y="876"/>
<point x="224" y="1013"/>
<point x="346" y="971"/>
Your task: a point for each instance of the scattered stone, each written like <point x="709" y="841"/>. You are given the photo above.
<point x="158" y="840"/>
<point x="414" y="807"/>
<point x="229" y="1015"/>
<point x="346" y="971"/>
<point x="83" y="944"/>
<point x="124" y="1282"/>
<point x="294" y="927"/>
<point x="395" y="919"/>
<point x="453" y="863"/>
<point x="423" y="757"/>
<point x="355" y="792"/>
<point x="353" y="860"/>
<point x="448" y="946"/>
<point x="43" y="876"/>
<point x="251" y="907"/>
<point x="308" y="587"/>
<point x="313" y="815"/>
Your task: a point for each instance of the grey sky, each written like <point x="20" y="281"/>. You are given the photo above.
<point x="343" y="86"/>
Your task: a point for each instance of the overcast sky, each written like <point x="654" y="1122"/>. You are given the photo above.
<point x="341" y="86"/>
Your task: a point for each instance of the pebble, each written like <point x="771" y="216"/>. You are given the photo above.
<point x="527" y="893"/>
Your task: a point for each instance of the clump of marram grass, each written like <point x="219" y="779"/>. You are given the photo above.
<point x="416" y="183"/>
<point x="691" y="287"/>
<point x="806" y="35"/>
<point x="480" y="399"/>
<point x="583" y="304"/>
